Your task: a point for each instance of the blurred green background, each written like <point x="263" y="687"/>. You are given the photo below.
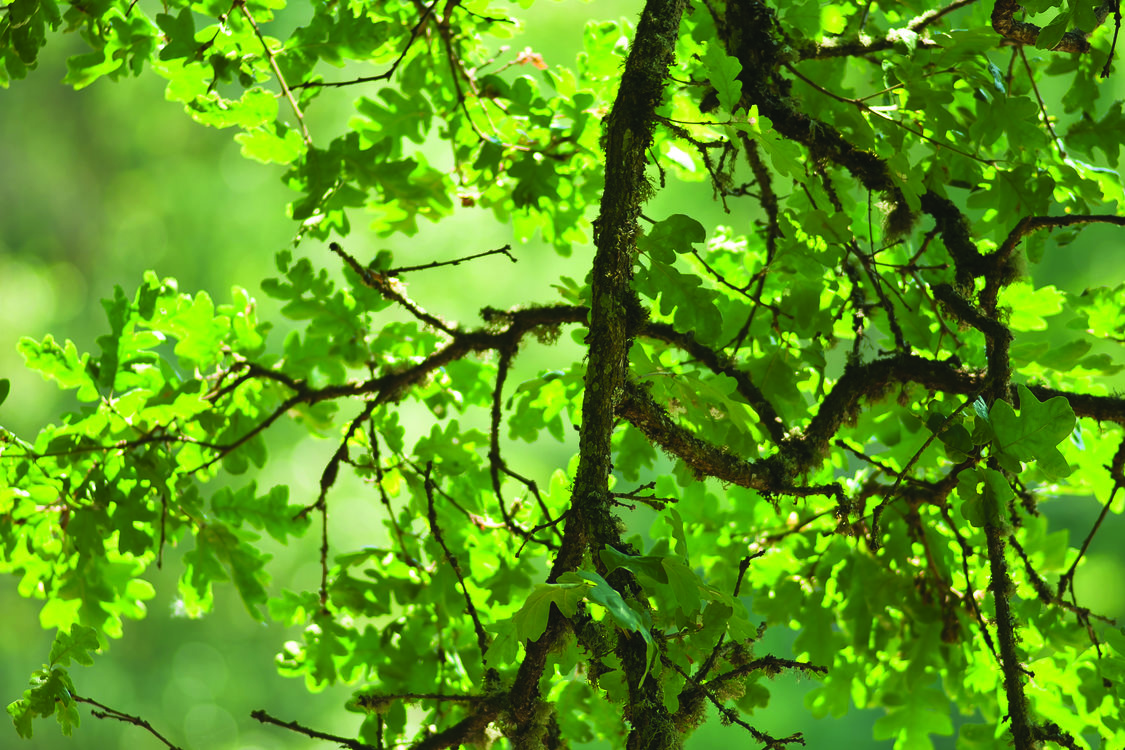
<point x="102" y="184"/>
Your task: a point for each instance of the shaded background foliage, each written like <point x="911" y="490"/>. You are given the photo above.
<point x="131" y="185"/>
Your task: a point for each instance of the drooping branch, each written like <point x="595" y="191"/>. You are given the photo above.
<point x="386" y="74"/>
<point x="392" y="385"/>
<point x="804" y="452"/>
<point x="327" y="479"/>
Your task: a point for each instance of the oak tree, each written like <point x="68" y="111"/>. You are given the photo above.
<point x="838" y="410"/>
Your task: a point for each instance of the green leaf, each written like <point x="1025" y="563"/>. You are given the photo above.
<point x="600" y="592"/>
<point x="76" y="645"/>
<point x="271" y="513"/>
<point x="271" y="143"/>
<point x="531" y="620"/>
<point x="179" y="31"/>
<point x="1052" y="34"/>
<point x="1034" y="433"/>
<point x="223" y="554"/>
<point x="649" y="565"/>
<point x="723" y="71"/>
<point x="675" y="234"/>
<point x="923" y="712"/>
<point x="673" y="482"/>
<point x="50" y="694"/>
<point x="998" y="495"/>
<point x="1030" y="306"/>
<point x="82" y="70"/>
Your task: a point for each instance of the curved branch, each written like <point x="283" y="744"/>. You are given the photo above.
<point x="386" y="74"/>
<point x="804" y="453"/>
<point x="717" y="364"/>
<point x="837" y="48"/>
<point x="1030" y="224"/>
<point x="431" y="515"/>
<point x="1022" y="32"/>
<point x="704" y="458"/>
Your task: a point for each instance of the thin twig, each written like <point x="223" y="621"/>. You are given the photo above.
<point x="705" y="667"/>
<point x="163" y="528"/>
<point x="1113" y="45"/>
<point x="859" y="49"/>
<point x="327" y="479"/>
<point x="386" y="500"/>
<point x="277" y="71"/>
<point x="863" y="107"/>
<point x="385" y="74"/>
<point x="731" y="715"/>
<point x="386" y="286"/>
<point x="435" y="529"/>
<point x="506" y="250"/>
<point x="265" y="718"/>
<point x="112" y="713"/>
<point x="533" y="488"/>
<point x="1042" y="105"/>
<point x="495" y="460"/>
<point x="1117" y="473"/>
<point x="909" y="464"/>
<point x="372" y="699"/>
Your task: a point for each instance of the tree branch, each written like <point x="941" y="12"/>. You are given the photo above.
<point x="435" y="529"/>
<point x="294" y="726"/>
<point x="1021" y="32"/>
<point x="112" y="713"/>
<point x="276" y="71"/>
<point x="391" y="289"/>
<point x="614" y="314"/>
<point x="385" y="75"/>
<point x="855" y="48"/>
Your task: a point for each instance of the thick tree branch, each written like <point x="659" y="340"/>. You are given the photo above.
<point x="1002" y="588"/>
<point x="705" y="459"/>
<point x="613" y="315"/>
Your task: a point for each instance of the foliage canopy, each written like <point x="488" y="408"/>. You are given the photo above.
<point x="836" y="412"/>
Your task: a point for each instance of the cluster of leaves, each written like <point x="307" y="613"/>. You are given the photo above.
<point x="843" y="413"/>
